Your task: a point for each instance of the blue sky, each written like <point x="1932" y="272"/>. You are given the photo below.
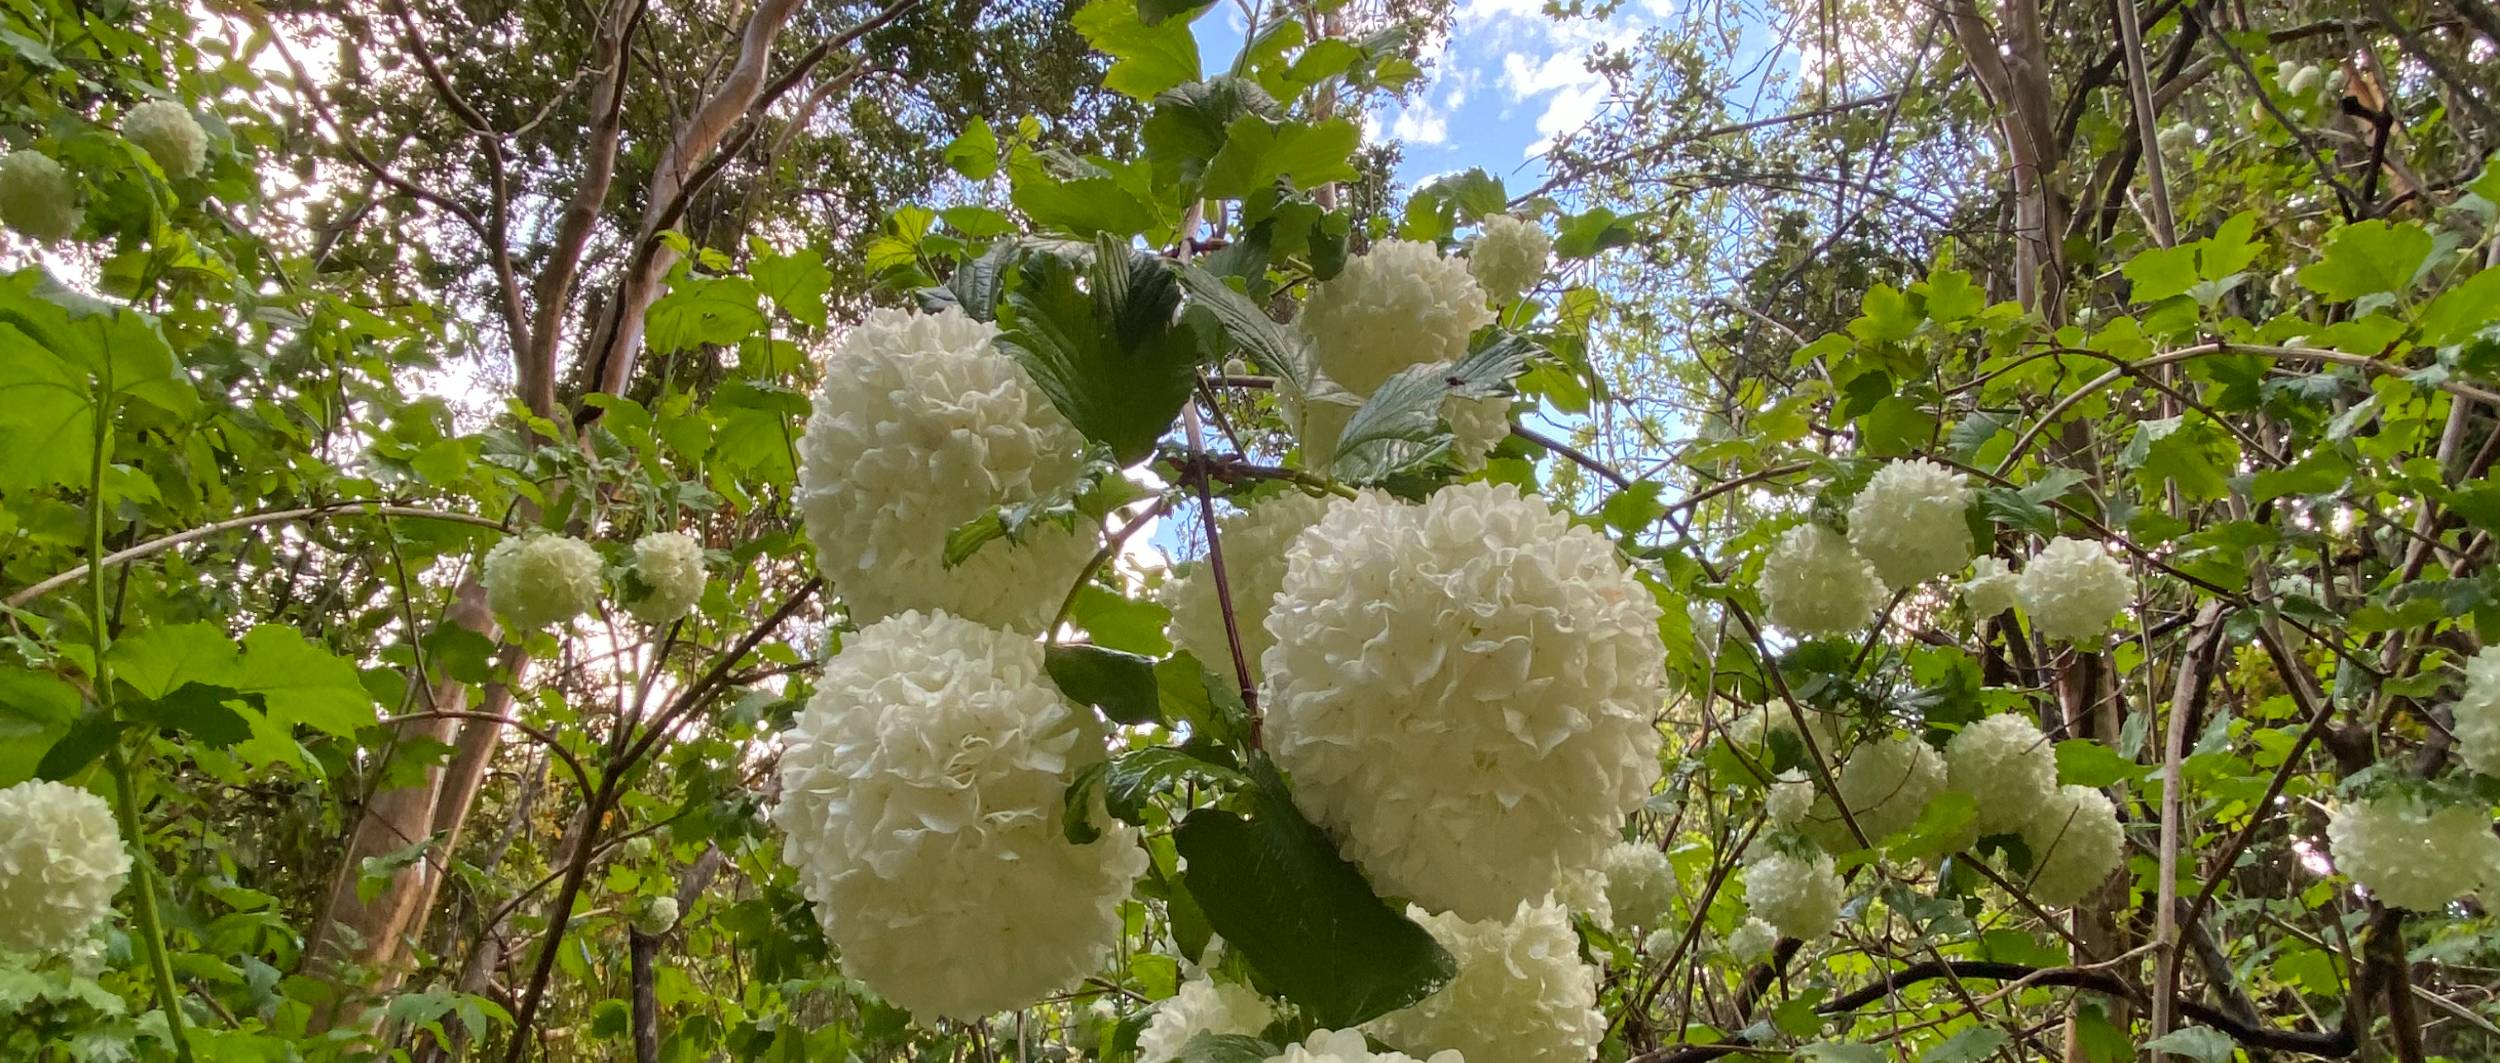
<point x="1505" y="82"/>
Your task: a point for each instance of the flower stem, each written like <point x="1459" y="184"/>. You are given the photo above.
<point x="125" y="780"/>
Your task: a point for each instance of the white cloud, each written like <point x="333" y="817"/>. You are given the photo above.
<point x="1422" y="123"/>
<point x="1572" y="94"/>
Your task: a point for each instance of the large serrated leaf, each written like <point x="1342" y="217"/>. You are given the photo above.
<point x="1111" y="356"/>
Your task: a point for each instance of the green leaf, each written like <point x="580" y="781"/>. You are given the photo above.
<point x="1277" y="348"/>
<point x="2197" y="1042"/>
<point x="2321" y="471"/>
<point x="1969" y="1046"/>
<point x="1942" y="828"/>
<point x="1122" y="623"/>
<point x="2366" y="258"/>
<point x="1087" y="199"/>
<point x="2158" y="273"/>
<point x="1206" y="700"/>
<point x="207" y="713"/>
<point x="155" y="660"/>
<point x="32" y="702"/>
<point x="1113" y="359"/>
<point x="1275" y="888"/>
<point x="1400" y="424"/>
<point x="1596" y="232"/>
<point x="1146" y="58"/>
<point x="1841" y="1052"/>
<point x="1886" y="315"/>
<point x="2089" y="762"/>
<point x="1632" y="509"/>
<point x="1474" y="192"/>
<point x="704" y="311"/>
<point x="797" y="283"/>
<point x="974" y="152"/>
<point x="2461" y="312"/>
<point x="1259" y="152"/>
<point x="1135" y="778"/>
<point x="1190" y="124"/>
<point x="1122" y="685"/>
<point x="303" y="683"/>
<point x="80" y="746"/>
<point x="97" y="340"/>
<point x="47" y="416"/>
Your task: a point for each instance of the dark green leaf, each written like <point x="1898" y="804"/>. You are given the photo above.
<point x="1114" y="360"/>
<point x="2197" y="1042"/>
<point x="85" y="741"/>
<point x="1122" y="685"/>
<point x="1276" y="889"/>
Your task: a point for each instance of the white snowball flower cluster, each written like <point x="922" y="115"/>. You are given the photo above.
<point x="670" y="567"/>
<point x="1254" y="543"/>
<point x="61" y="862"/>
<point x="1348" y="1046"/>
<point x="1462" y="691"/>
<point x="1789" y="800"/>
<point x="540" y="580"/>
<point x="922" y="804"/>
<point x="1752" y="941"/>
<point x="36" y="196"/>
<point x="1799" y="895"/>
<point x="2007" y="766"/>
<point x="2075" y="842"/>
<point x="1583" y="892"/>
<point x="167" y="132"/>
<point x="1521" y="995"/>
<point x="1814" y="583"/>
<point x="1660" y="943"/>
<point x="1886" y="784"/>
<point x="1640" y="884"/>
<point x="1911" y="522"/>
<point x="2073" y="589"/>
<point x="1397" y="305"/>
<point x="921" y="426"/>
<point x="2413" y="854"/>
<point x="1476" y="427"/>
<point x="1201" y="1006"/>
<point x="2476" y="715"/>
<point x="1992" y="588"/>
<point x="1508" y="255"/>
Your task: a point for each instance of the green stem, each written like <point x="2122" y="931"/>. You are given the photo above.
<point x="125" y="780"/>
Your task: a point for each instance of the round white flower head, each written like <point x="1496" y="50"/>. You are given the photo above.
<point x="1462" y="691"/>
<point x="1254" y="543"/>
<point x="1348" y="1046"/>
<point x="1201" y="1006"/>
<point x="1789" y="799"/>
<point x="1752" y="941"/>
<point x="1814" y="583"/>
<point x="1584" y="892"/>
<point x="1910" y="522"/>
<point x="921" y="802"/>
<point x="2413" y="854"/>
<point x="1397" y="305"/>
<point x="2073" y="589"/>
<point x="1799" y="895"/>
<point x="36" y="196"/>
<point x="2075" y="843"/>
<point x="670" y="566"/>
<point x="1522" y="994"/>
<point x="2005" y="764"/>
<point x="921" y="426"/>
<point x="1476" y="427"/>
<point x="2476" y="714"/>
<point x="1886" y="783"/>
<point x="61" y="862"/>
<point x="1660" y="943"/>
<point x="1992" y="588"/>
<point x="1640" y="884"/>
<point x="167" y="132"/>
<point x="541" y="580"/>
<point x="1508" y="255"/>
<point x="656" y="915"/>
